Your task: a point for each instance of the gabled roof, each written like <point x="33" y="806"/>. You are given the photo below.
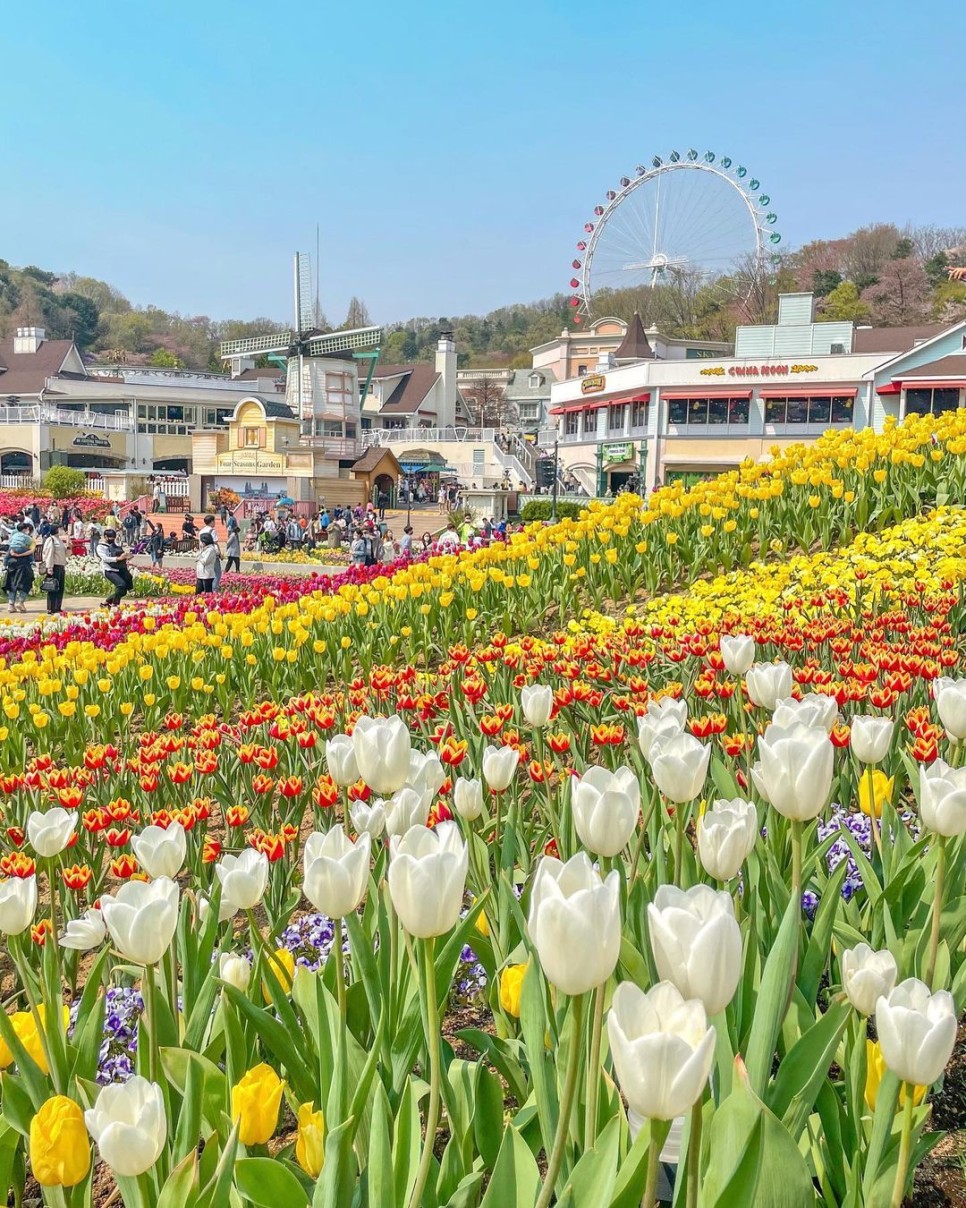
<point x="894" y="339"/>
<point x="372" y="457"/>
<point x="27" y="372"/>
<point x="254" y="375"/>
<point x="635" y="345"/>
<point x="272" y="408"/>
<point x="953" y="365"/>
<point x="416" y="381"/>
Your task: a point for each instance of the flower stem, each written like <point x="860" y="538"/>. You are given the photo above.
<point x="151" y="1010"/>
<point x="653" y="1166"/>
<point x="678" y="845"/>
<point x="566" y="1107"/>
<point x="339" y="969"/>
<point x="796" y="832"/>
<point x="694" y="1155"/>
<point x="905" y="1144"/>
<point x="937" y="911"/>
<point x="432" y="1040"/>
<point x="593" y="1070"/>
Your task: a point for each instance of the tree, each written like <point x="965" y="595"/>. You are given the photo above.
<point x="824" y="280"/>
<point x="930" y="241"/>
<point x="358" y="316"/>
<point x="81" y="318"/>
<point x="843" y="304"/>
<point x="64" y="481"/>
<point x="949" y="302"/>
<point x="486" y="399"/>
<point x="164" y="358"/>
<point x="901" y="294"/>
<point x="815" y="260"/>
<point x="867" y="251"/>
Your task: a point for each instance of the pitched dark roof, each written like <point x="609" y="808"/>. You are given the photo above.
<point x="253" y="375"/>
<point x="951" y="366"/>
<point x="634" y="346"/>
<point x="274" y="409"/>
<point x="27" y="372"/>
<point x="372" y="457"/>
<point x="894" y="339"/>
<point x="415" y="383"/>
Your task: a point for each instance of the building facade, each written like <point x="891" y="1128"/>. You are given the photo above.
<point x="576" y="353"/>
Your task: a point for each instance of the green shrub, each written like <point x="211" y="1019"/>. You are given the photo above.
<point x="63" y="481"/>
<point x="542" y="509"/>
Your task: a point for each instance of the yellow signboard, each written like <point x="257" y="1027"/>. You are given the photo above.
<point x="593" y="384"/>
<point x="246" y="461"/>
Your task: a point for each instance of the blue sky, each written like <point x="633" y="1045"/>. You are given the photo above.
<point x="451" y="152"/>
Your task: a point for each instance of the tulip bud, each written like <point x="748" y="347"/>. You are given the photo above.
<point x="244" y="879"/>
<point x="942" y="798"/>
<point x="867" y="976"/>
<point x="737" y="652"/>
<point x="336" y="872"/>
<point x="310" y="1141"/>
<point x="141" y="918"/>
<point x="511" y="988"/>
<point x="499" y="764"/>
<point x="950" y="697"/>
<point x="575" y="923"/>
<point x="50" y="832"/>
<point x="662" y="1049"/>
<point x="235" y="969"/>
<point x="368" y="817"/>
<point x="255" y="1100"/>
<point x="768" y="683"/>
<point x="605" y="807"/>
<point x="870" y="738"/>
<point x="341" y="760"/>
<point x="130" y="1126"/>
<point x="18" y="904"/>
<point x="60" y="1153"/>
<point x="696" y="943"/>
<point x="818" y="711"/>
<point x="679" y="766"/>
<point x="84" y="933"/>
<point x="382" y="746"/>
<point x="727" y="833"/>
<point x="917" y="1031"/>
<point x="537" y="702"/>
<point x="468" y="798"/>
<point x="427" y="877"/>
<point x="161" y="852"/>
<point x="795" y="770"/>
<point x="406" y="809"/>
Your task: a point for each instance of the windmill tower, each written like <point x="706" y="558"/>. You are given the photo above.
<point x="302" y="350"/>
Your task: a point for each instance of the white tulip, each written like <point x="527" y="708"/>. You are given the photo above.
<point x="84" y="933"/>
<point x="950" y="697"/>
<point x="468" y="798"/>
<point x="50" y="832"/>
<point x="537" y="702"/>
<point x="336" y="871"/>
<point x="406" y="809"/>
<point x="244" y="879"/>
<point x="737" y="652"/>
<point x="696" y="943"/>
<point x="426" y="773"/>
<point x="727" y="834"/>
<point x="369" y="817"/>
<point x="654" y="728"/>
<point x="340" y="757"/>
<point x="142" y="918"/>
<point x="382" y="746"/>
<point x="575" y="923"/>
<point x="815" y="709"/>
<point x="606" y="806"/>
<point x="867" y="975"/>
<point x="794" y="773"/>
<point x="129" y="1124"/>
<point x="499" y="764"/>
<point x="942" y="798"/>
<point x="870" y="738"/>
<point x="662" y="1048"/>
<point x="18" y="904"/>
<point x="427" y="878"/>
<point x="917" y="1031"/>
<point x="235" y="969"/>
<point x="768" y="683"/>
<point x="679" y="765"/>
<point x="161" y="852"/>
<point x="669" y="708"/>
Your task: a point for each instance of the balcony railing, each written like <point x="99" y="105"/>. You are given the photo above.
<point x="40" y="413"/>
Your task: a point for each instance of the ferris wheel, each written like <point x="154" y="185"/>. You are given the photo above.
<point x="687" y="217"/>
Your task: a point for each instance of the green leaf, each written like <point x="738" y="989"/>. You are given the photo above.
<point x="182" y="1184"/>
<point x="803" y="1070"/>
<point x="535" y="1024"/>
<point x="407" y="1136"/>
<point x="18" y="1110"/>
<point x="379" y="1168"/>
<point x="467" y="1195"/>
<point x="339" y="1172"/>
<point x="488" y="1115"/>
<point x="820" y="941"/>
<point x="269" y="1183"/>
<point x="593" y="1179"/>
<point x="772" y="999"/>
<point x="516" y="1177"/>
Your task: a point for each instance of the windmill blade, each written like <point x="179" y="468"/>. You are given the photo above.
<point x="303" y="292"/>
<point x="343" y="341"/>
<point x="257" y="346"/>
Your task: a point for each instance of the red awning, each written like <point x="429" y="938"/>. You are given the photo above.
<point x="820" y="390"/>
<point x="717" y="392"/>
<point x="931" y="384"/>
<point x="889" y="388"/>
<point x="569" y="407"/>
<point x="594" y="404"/>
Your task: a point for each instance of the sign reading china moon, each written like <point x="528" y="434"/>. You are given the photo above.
<point x="757" y="370"/>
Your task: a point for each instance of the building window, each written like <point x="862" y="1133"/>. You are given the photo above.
<point x="819" y="409"/>
<point x="704" y="412"/>
<point x="251" y="438"/>
<point x="534" y="381"/>
<point x="638" y="415"/>
<point x="581" y="370"/>
<point x="931" y="402"/>
<point x="615" y="417"/>
<point x="572" y="423"/>
<point x="528" y="410"/>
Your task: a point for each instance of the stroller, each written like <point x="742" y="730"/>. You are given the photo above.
<point x="140" y="546"/>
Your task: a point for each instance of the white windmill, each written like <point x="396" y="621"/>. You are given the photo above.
<point x="305" y="386"/>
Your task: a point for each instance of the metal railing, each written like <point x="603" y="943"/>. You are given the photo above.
<point x="417" y="436"/>
<point x="40" y="413"/>
<point x="339" y="446"/>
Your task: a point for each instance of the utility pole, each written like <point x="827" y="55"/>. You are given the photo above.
<point x="556" y="478"/>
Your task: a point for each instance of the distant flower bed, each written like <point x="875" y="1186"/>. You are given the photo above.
<point x="91" y="506"/>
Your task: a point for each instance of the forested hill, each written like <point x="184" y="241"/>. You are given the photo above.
<point x="878" y="274"/>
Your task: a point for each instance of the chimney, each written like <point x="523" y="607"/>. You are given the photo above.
<point x="446" y="368"/>
<point x="28" y="340"/>
<point x="240" y="364"/>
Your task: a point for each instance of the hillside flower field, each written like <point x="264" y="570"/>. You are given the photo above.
<point x="618" y="863"/>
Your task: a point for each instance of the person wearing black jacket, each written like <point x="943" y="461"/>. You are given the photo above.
<point x="114" y="564"/>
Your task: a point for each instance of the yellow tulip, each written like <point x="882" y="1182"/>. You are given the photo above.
<point x="283" y="967"/>
<point x="60" y="1149"/>
<point x="310" y="1142"/>
<point x="255" y="1101"/>
<point x="875" y="1068"/>
<point x="875" y="789"/>
<point x="511" y="988"/>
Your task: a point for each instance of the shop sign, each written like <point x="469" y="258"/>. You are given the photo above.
<point x="594" y="383"/>
<point x="241" y="461"/>
<point x="757" y="370"/>
<point x="623" y="451"/>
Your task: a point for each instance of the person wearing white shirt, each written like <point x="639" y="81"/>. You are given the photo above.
<point x="449" y="538"/>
